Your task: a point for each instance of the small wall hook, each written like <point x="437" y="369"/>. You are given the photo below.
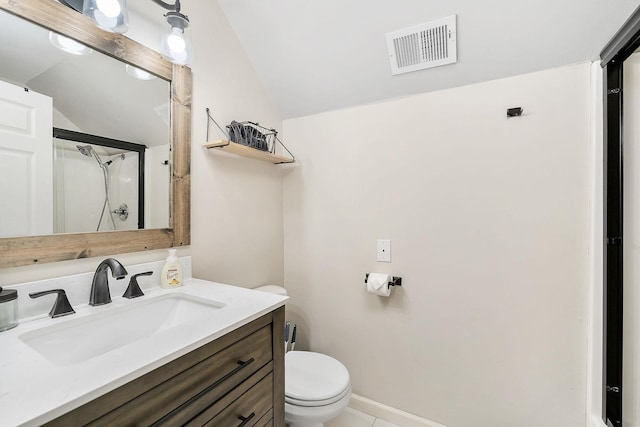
<point x="514" y="112"/>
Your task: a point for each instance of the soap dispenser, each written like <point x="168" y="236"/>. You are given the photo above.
<point x="171" y="272"/>
<point x="8" y="309"/>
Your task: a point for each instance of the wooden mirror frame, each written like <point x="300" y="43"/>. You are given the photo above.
<point x="30" y="250"/>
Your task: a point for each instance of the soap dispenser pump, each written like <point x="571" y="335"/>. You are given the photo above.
<point x="171" y="272"/>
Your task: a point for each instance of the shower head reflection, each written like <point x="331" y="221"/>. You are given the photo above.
<point x="88" y="150"/>
<point x="85" y="150"/>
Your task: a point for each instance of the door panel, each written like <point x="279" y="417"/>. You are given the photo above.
<point x="26" y="162"/>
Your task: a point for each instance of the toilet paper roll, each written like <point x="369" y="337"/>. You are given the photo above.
<point x="378" y="283"/>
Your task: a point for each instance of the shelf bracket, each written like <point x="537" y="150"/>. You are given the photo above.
<point x="246" y="150"/>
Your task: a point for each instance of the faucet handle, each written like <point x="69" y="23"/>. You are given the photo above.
<point x="133" y="290"/>
<point x="61" y="307"/>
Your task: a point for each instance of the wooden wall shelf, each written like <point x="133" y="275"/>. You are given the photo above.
<point x="243" y="150"/>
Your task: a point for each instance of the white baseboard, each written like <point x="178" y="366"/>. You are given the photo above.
<point x="387" y="413"/>
<point x="405" y="419"/>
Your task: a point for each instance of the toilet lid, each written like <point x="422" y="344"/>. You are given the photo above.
<point x="314" y="377"/>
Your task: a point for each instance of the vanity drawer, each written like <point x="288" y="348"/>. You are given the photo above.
<point x="246" y="411"/>
<point x="266" y="420"/>
<point x="183" y="394"/>
<point x="204" y="407"/>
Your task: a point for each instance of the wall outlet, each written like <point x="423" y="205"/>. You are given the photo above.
<point x="384" y="250"/>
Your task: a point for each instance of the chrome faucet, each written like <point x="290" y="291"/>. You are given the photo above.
<point x="100" y="286"/>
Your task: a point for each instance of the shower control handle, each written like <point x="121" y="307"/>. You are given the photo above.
<point x="122" y="211"/>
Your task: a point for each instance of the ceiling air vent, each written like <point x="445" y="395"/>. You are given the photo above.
<point x="423" y="46"/>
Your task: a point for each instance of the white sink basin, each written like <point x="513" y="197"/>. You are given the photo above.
<point x="86" y="337"/>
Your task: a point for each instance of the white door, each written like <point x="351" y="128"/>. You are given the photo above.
<point x="26" y="162"/>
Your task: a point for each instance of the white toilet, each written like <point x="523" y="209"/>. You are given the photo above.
<point x="316" y="387"/>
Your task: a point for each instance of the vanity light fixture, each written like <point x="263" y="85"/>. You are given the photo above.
<point x="175" y="45"/>
<point x="68" y="45"/>
<point x="138" y="73"/>
<point x="111" y="15"/>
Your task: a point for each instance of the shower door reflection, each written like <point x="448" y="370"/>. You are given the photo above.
<point x="98" y="184"/>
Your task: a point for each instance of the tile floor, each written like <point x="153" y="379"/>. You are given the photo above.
<point x="352" y="418"/>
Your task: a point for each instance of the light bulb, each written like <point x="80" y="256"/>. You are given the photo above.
<point x="109" y="8"/>
<point x="175" y="41"/>
<point x="110" y="15"/>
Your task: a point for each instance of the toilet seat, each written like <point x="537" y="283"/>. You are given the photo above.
<point x="314" y="403"/>
<point x="314" y="379"/>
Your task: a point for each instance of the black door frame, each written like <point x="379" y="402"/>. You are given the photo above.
<point x="623" y="44"/>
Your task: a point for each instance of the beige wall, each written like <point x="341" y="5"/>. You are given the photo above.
<point x="489" y="222"/>
<point x="236" y="202"/>
<point x="237" y="235"/>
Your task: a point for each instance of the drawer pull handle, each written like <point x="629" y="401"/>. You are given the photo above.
<point x="245" y="420"/>
<point x="241" y="366"/>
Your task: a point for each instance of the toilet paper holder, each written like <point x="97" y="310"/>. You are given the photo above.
<point x="395" y="281"/>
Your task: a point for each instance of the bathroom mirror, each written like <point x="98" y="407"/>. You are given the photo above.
<point x="45" y="247"/>
<point x="97" y="100"/>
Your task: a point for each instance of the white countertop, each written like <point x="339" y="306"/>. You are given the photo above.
<point x="34" y="390"/>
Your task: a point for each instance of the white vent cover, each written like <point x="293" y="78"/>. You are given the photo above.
<point x="423" y="46"/>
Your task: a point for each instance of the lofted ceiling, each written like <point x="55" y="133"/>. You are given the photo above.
<point x="314" y="56"/>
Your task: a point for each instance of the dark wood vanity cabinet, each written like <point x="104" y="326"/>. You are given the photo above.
<point x="236" y="380"/>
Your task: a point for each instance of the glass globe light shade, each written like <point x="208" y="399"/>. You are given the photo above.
<point x="110" y="15"/>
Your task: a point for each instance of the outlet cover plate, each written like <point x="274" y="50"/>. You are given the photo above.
<point x="384" y="250"/>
